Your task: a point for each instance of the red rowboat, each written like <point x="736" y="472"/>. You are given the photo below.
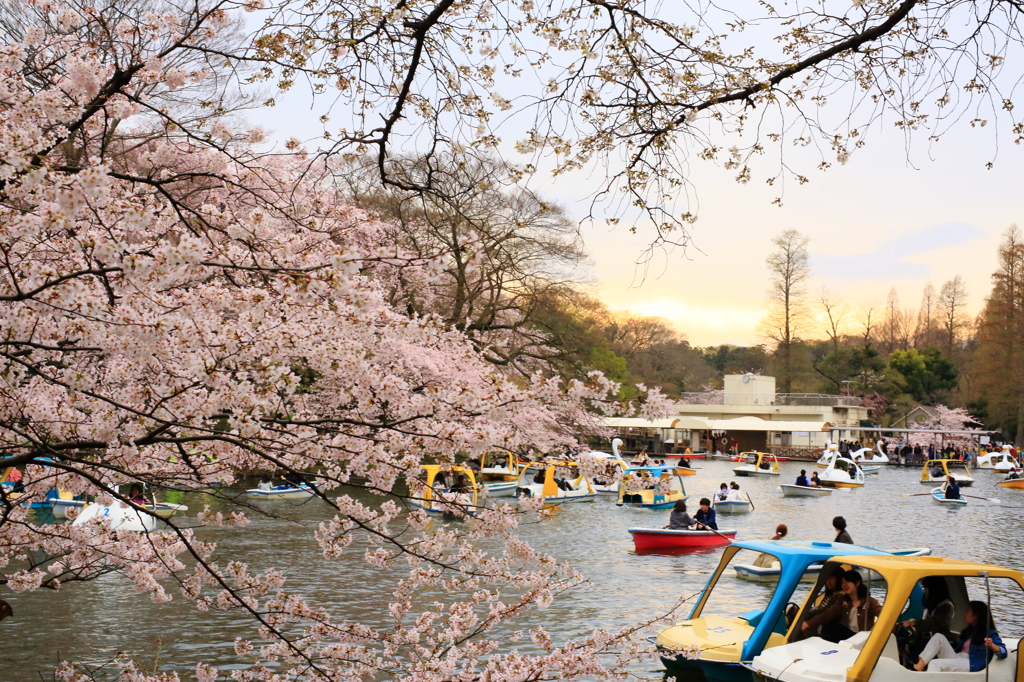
<point x="647" y="539"/>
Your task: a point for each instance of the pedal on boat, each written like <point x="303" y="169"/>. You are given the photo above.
<point x="281" y="492"/>
<point x="791" y="490"/>
<point x="939" y="495"/>
<point x="646" y="539"/>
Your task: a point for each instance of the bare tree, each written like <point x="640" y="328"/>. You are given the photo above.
<point x="868" y="320"/>
<point x="895" y="333"/>
<point x="836" y="313"/>
<point x="507" y="251"/>
<point x="789" y="268"/>
<point x="952" y="305"/>
<point x="925" y="331"/>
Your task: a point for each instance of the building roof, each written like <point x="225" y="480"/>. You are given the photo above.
<point x="703" y="423"/>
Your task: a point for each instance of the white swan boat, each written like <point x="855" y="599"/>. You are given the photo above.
<point x="793" y="490"/>
<point x="842" y="473"/>
<point x="869" y="456"/>
<point x="608" y="483"/>
<point x="119" y="516"/>
<point x="281" y="492"/>
<point x="758" y="464"/>
<point x="541" y="479"/>
<point x="1000" y="461"/>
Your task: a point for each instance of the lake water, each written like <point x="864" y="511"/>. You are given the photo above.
<point x="93" y="622"/>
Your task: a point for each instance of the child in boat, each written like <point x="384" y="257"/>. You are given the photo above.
<point x="978" y="642"/>
<point x="705" y="516"/>
<point x="801" y="480"/>
<point x="723" y="492"/>
<point x="679" y="520"/>
<point x="815" y="481"/>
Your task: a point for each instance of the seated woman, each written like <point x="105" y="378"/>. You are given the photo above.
<point x="854" y="612"/>
<point x="830" y="594"/>
<point x="137" y="496"/>
<point x="972" y="652"/>
<point x="952" y="489"/>
<point x="935" y="618"/>
<point x="680" y="519"/>
<point x="734" y="493"/>
<point x="765" y="560"/>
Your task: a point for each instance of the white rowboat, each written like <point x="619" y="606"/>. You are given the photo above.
<point x="790" y="490"/>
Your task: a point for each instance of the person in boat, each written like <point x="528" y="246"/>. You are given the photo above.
<point x="854" y="612"/>
<point x="706" y="517"/>
<point x="936" y="471"/>
<point x="136" y="495"/>
<point x="976" y="646"/>
<point x="539" y="476"/>
<point x="936" y="618"/>
<point x="734" y="493"/>
<point x="685" y="463"/>
<point x="1013" y="475"/>
<point x="815" y="481"/>
<point x="765" y="464"/>
<point x="643" y="458"/>
<point x="679" y="519"/>
<point x="830" y="594"/>
<point x="765" y="560"/>
<point x="5" y="610"/>
<point x="723" y="492"/>
<point x="266" y="484"/>
<point x="460" y="485"/>
<point x="839" y="524"/>
<point x="952" y="489"/>
<point x="801" y="480"/>
<point x="293" y="480"/>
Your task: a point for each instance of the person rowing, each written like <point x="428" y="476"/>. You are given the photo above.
<point x="801" y="480"/>
<point x="952" y="489"/>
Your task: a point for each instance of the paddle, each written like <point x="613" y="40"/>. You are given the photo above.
<point x="993" y="500"/>
<point x="751" y="501"/>
<point x="701" y="525"/>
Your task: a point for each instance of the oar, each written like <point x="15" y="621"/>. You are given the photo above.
<point x="914" y="494"/>
<point x="726" y="537"/>
<point x="751" y="501"/>
<point x="993" y="500"/>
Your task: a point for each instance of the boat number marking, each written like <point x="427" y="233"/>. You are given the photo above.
<point x="826" y="653"/>
<point x="106" y="511"/>
<point x="719" y="628"/>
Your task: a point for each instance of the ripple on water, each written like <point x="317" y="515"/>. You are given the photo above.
<point x="94" y="621"/>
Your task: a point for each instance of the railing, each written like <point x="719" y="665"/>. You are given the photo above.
<point x="818" y="399"/>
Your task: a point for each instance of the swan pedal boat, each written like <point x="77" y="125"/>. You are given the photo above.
<point x="715" y="645"/>
<point x="647" y="539"/>
<point x="869" y="456"/>
<point x="770" y="574"/>
<point x="939" y="495"/>
<point x="842" y="473"/>
<point x="793" y="490"/>
<point x="873" y="656"/>
<point x="950" y="467"/>
<point x="999" y="461"/>
<point x="119" y="515"/>
<point x="758" y="464"/>
<point x="281" y="492"/>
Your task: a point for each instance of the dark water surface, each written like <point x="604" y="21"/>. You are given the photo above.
<point x="93" y="622"/>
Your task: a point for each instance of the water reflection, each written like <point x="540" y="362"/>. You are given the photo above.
<point x="94" y="621"/>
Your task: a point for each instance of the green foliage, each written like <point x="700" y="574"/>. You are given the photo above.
<point x="925" y="374"/>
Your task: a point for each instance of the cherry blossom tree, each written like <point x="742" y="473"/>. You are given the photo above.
<point x="947" y="419"/>
<point x="644" y="91"/>
<point x="179" y="307"/>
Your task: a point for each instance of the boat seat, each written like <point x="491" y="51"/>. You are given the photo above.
<point x="891" y="649"/>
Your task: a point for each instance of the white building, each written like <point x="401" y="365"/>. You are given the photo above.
<point x="749" y="415"/>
